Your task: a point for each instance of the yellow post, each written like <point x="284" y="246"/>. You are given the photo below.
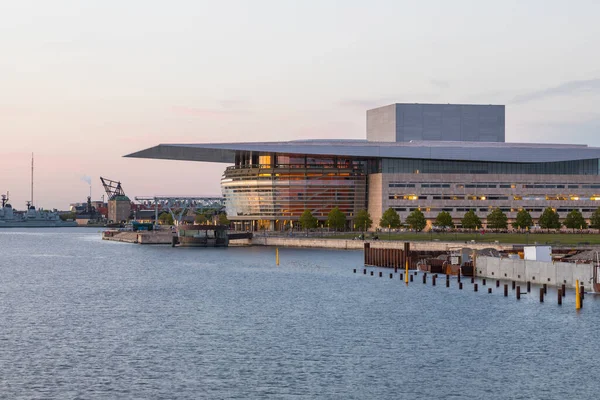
<point x="277" y="255"/>
<point x="406" y="275"/>
<point x="577" y="296"/>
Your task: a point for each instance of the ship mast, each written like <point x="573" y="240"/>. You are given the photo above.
<point x="32" y="179"/>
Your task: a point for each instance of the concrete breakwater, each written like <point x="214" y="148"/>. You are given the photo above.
<point x="155" y="237"/>
<point x="348" y="244"/>
<point x="536" y="272"/>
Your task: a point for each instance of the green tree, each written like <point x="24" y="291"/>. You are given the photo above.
<point x="416" y="220"/>
<point x="575" y="220"/>
<point x="68" y="216"/>
<point x="523" y="220"/>
<point x="166" y="219"/>
<point x="308" y="221"/>
<point x="223" y="220"/>
<point x="390" y="219"/>
<point x="200" y="219"/>
<point x="363" y="220"/>
<point x="470" y="220"/>
<point x="595" y="219"/>
<point x="549" y="219"/>
<point x="336" y="219"/>
<point x="444" y="220"/>
<point x="497" y="219"/>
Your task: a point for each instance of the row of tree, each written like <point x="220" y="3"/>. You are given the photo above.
<point x="496" y="219"/>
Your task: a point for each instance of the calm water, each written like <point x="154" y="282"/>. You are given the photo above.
<point x="83" y="318"/>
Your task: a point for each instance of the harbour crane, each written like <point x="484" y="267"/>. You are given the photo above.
<point x="112" y="188"/>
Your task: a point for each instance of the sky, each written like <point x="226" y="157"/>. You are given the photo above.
<point x="83" y="83"/>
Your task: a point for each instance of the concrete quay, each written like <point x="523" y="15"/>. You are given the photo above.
<point x="349" y="244"/>
<point x="154" y="237"/>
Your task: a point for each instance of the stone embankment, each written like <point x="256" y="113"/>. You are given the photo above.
<point x="348" y="244"/>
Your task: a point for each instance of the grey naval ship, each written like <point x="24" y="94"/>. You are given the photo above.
<point x="32" y="218"/>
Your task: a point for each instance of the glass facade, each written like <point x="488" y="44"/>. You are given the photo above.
<point x="281" y="186"/>
<point x="403" y="165"/>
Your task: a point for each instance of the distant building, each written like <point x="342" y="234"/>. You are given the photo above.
<point x="119" y="209"/>
<point x="432" y="157"/>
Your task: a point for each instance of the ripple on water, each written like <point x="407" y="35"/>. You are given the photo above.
<point x="82" y="318"/>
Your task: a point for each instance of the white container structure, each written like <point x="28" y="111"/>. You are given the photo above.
<point x="538" y="253"/>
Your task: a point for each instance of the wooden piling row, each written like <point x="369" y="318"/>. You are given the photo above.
<point x="387" y="258"/>
<point x="387" y="254"/>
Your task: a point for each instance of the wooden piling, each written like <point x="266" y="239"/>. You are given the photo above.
<point x="489" y="290"/>
<point x="424" y="278"/>
<point x="472" y="280"/>
<point x="380" y="274"/>
<point x="433" y="280"/>
<point x="365" y="271"/>
<point x="483" y="281"/>
<point x="371" y="273"/>
<point x="401" y="276"/>
<point x="541" y="295"/>
<point x="505" y="290"/>
<point x="577" y="296"/>
<point x="528" y="286"/>
<point x="497" y="282"/>
<point x="460" y="285"/>
<point x="559" y="297"/>
<point x="411" y="278"/>
<point x="564" y="290"/>
<point x="581" y="292"/>
<point x="475" y="287"/>
<point x="545" y="286"/>
<point x="447" y="281"/>
<point x="514" y="284"/>
<point x="367" y="252"/>
<point x="391" y="276"/>
<point x="518" y="292"/>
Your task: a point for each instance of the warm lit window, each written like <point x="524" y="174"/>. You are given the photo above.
<point x="264" y="161"/>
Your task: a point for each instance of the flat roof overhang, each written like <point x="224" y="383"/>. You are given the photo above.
<point x="431" y="150"/>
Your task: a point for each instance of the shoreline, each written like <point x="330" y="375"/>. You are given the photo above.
<point x="350" y="244"/>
